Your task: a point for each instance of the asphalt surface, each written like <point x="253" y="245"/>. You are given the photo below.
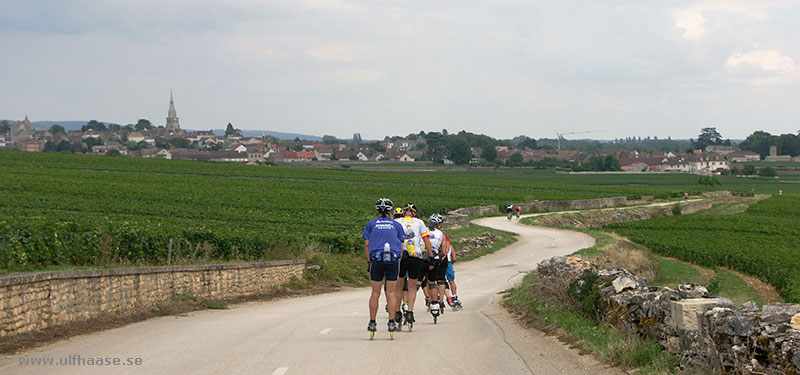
<point x="326" y="334"/>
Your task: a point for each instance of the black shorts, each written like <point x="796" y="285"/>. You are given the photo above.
<point x="436" y="275"/>
<point x="378" y="270"/>
<point x="412" y="267"/>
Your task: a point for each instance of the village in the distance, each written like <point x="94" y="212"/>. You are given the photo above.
<point x="708" y="155"/>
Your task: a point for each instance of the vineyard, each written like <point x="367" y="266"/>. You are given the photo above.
<point x="763" y="241"/>
<point x="62" y="210"/>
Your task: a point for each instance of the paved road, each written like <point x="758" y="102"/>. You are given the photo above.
<point x="326" y="334"/>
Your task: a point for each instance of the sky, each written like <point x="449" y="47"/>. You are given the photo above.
<point x="502" y="68"/>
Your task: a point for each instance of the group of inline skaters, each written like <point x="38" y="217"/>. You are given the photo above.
<point x="405" y="255"/>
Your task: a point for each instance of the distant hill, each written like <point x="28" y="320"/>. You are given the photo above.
<point x="76" y="125"/>
<point x="68" y="125"/>
<point x="279" y="135"/>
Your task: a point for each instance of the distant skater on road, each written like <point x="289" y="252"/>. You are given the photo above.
<point x="509" y="211"/>
<point x="383" y="243"/>
<point x="517" y="208"/>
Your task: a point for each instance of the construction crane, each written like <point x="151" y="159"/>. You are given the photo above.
<point x="561" y="135"/>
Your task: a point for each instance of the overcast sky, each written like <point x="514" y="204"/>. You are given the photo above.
<point x="502" y="67"/>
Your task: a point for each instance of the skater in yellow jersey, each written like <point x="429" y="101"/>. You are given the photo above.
<point x="415" y="247"/>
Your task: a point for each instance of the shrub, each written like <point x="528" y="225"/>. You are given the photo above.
<point x="767" y="172"/>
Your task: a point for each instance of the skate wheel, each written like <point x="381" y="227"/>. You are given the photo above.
<point x="410" y="327"/>
<point x="391" y="335"/>
<point x="371" y="335"/>
<point x="434" y="320"/>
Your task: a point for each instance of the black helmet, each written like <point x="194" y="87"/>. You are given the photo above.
<point x="384" y="205"/>
<point x="398" y="212"/>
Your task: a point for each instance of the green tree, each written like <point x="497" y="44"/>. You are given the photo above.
<point x="611" y="163"/>
<point x="437" y="146"/>
<point x="377" y="147"/>
<point x="528" y="143"/>
<point x="4" y="126"/>
<point x="229" y="130"/>
<point x="594" y="163"/>
<point x="488" y="152"/>
<point x="92" y="141"/>
<point x="459" y="150"/>
<point x="788" y="144"/>
<point x="128" y="128"/>
<point x="114" y="127"/>
<point x="329" y="140"/>
<point x="143" y="124"/>
<point x="64" y="146"/>
<point x="767" y="172"/>
<point x="759" y="142"/>
<point x="515" y="160"/>
<point x="748" y="170"/>
<point x="113" y="152"/>
<point x="179" y="142"/>
<point x="708" y="137"/>
<point x="57" y="129"/>
<point x="94" y="125"/>
<point x="49" y="146"/>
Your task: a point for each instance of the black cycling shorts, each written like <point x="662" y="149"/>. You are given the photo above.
<point x="438" y="272"/>
<point x="412" y="267"/>
<point x="378" y="270"/>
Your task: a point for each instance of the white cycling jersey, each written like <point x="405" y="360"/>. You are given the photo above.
<point x="437" y="240"/>
<point x="415" y="230"/>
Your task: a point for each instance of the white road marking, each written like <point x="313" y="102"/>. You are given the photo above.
<point x="325" y="331"/>
<point x="493" y="270"/>
<point x="280" y="371"/>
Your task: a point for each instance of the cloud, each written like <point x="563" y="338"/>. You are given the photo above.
<point x="333" y="52"/>
<point x="763" y="67"/>
<point x="691" y="21"/>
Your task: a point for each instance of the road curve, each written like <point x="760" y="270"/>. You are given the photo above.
<point x="326" y="334"/>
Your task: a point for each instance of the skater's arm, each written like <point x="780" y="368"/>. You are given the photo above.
<point x="447" y="249"/>
<point x="428" y="246"/>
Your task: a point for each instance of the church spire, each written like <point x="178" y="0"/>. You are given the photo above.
<point x="172" y="112"/>
<point x="172" y="116"/>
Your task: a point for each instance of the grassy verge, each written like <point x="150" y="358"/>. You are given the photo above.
<point x="609" y="345"/>
<point x="502" y="239"/>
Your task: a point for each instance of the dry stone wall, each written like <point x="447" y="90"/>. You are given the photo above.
<point x="709" y="333"/>
<point x="38" y="300"/>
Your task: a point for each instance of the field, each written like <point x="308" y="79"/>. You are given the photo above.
<point x="74" y="210"/>
<point x="763" y="241"/>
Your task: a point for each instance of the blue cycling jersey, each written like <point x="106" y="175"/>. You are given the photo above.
<point x="382" y="230"/>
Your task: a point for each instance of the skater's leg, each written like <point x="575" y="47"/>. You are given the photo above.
<point x="411" y="294"/>
<point x="373" y="299"/>
<point x="391" y="298"/>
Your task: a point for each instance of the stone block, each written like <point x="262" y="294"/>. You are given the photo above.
<point x="685" y="314"/>
<point x="779" y="312"/>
